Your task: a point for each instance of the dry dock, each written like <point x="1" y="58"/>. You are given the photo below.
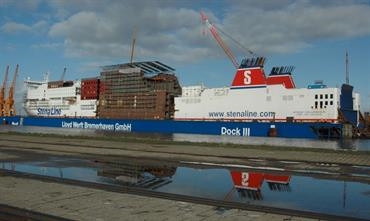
<point x="81" y="203"/>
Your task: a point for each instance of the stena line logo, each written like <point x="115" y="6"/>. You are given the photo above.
<point x="235" y="131"/>
<point x="53" y="111"/>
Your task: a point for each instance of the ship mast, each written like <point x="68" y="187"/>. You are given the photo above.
<point x="63" y="74"/>
<point x="347" y="72"/>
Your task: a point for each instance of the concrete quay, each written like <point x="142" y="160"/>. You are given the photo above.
<point x="177" y="151"/>
<point x="78" y="203"/>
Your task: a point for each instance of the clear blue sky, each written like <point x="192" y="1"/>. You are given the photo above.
<point x="47" y="35"/>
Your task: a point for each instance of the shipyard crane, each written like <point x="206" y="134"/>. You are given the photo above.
<point x="219" y="40"/>
<point x="133" y="45"/>
<point x="9" y="103"/>
<point x="214" y="31"/>
<point x="2" y="91"/>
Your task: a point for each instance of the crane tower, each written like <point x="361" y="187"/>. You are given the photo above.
<point x="2" y="92"/>
<point x="9" y="108"/>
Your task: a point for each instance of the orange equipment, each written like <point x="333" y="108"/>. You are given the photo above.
<point x="2" y="92"/>
<point x="9" y="108"/>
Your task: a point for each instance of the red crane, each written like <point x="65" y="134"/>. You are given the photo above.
<point x="219" y="40"/>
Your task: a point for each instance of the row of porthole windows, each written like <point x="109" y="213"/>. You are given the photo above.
<point x="324" y="95"/>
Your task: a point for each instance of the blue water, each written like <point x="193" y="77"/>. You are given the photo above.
<point x="305" y="193"/>
<point x="350" y="144"/>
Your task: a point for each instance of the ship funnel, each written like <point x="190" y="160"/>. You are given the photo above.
<point x="250" y="74"/>
<point x="281" y="75"/>
<point x="252" y="62"/>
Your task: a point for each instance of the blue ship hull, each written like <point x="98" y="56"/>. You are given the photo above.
<point x="261" y="129"/>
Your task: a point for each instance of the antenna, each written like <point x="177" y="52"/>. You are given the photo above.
<point x="347" y="72"/>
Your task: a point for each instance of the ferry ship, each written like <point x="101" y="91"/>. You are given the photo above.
<point x="147" y="97"/>
<point x="58" y="98"/>
<point x="253" y="96"/>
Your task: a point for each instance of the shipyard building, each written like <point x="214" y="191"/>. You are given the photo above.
<point x="140" y="90"/>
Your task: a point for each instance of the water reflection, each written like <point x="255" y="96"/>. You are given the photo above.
<point x="331" y="196"/>
<point x="249" y="184"/>
<point x="143" y="175"/>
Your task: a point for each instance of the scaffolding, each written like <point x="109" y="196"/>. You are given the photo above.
<point x="141" y="90"/>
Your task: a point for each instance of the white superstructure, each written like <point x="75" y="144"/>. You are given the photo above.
<point x="255" y="97"/>
<point x="273" y="102"/>
<point x="57" y="99"/>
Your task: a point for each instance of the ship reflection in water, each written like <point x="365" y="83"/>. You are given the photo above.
<point x="321" y="194"/>
<point x="146" y="175"/>
<point x="249" y="184"/>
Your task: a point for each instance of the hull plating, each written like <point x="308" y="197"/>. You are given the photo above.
<point x="262" y="129"/>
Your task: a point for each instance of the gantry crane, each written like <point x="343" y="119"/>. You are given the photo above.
<point x="9" y="109"/>
<point x="2" y="92"/>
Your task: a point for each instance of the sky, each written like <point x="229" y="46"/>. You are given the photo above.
<point x="83" y="35"/>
